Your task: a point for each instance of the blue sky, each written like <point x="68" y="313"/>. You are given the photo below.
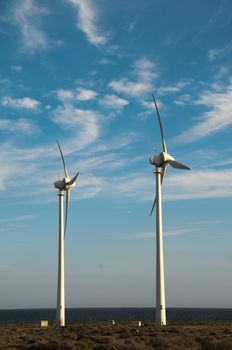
<point x="83" y="72"/>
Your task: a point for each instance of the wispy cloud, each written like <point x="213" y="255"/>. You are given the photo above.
<point x="104" y="61"/>
<point x="85" y="121"/>
<point x="216" y="53"/>
<point x="180" y="85"/>
<point x="21" y="103"/>
<point x="113" y="101"/>
<point x="217" y="118"/>
<point x="137" y="186"/>
<point x="15" y="223"/>
<point x="25" y="126"/>
<point x="131" y="25"/>
<point x="36" y="172"/>
<point x="17" y="68"/>
<point x="27" y="16"/>
<point x="87" y="21"/>
<point x="19" y="218"/>
<point x="185" y="228"/>
<point x="167" y="233"/>
<point x="15" y="165"/>
<point x="80" y="141"/>
<point x="144" y="72"/>
<point x="215" y="19"/>
<point x="177" y="185"/>
<point x="224" y="71"/>
<point x="198" y="185"/>
<point x="182" y="100"/>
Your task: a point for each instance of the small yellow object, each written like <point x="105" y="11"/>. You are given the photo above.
<point x="43" y="323"/>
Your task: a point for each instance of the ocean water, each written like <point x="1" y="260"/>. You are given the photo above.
<point x="118" y="314"/>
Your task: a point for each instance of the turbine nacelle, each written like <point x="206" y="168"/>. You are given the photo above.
<point x="60" y="184"/>
<point x="162" y="159"/>
<point x="65" y="184"/>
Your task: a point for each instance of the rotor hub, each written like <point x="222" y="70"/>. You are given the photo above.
<point x="166" y="157"/>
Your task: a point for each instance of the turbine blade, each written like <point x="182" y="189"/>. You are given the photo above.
<point x="73" y="179"/>
<point x="66" y="211"/>
<point x="62" y="157"/>
<point x="161" y="126"/>
<point x="162" y="177"/>
<point x="153" y="207"/>
<point x="178" y="165"/>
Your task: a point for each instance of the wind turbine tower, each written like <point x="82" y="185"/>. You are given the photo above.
<point x="161" y="163"/>
<point x="64" y="186"/>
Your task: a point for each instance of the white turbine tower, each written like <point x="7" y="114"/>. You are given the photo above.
<point x="161" y="163"/>
<point x="63" y="185"/>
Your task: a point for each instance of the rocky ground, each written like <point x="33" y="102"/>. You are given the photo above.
<point x="121" y="336"/>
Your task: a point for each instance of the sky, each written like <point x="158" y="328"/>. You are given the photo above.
<point x="83" y="72"/>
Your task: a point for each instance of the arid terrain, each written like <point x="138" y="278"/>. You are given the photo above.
<point x="215" y="335"/>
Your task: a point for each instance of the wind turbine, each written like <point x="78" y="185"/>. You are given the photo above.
<point x="63" y="185"/>
<point x="161" y="162"/>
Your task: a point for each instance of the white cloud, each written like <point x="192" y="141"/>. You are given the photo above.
<point x="69" y="96"/>
<point x="87" y="21"/>
<point x="113" y="101"/>
<point x="145" y="69"/>
<point x="65" y="96"/>
<point x="84" y="123"/>
<point x="24" y="126"/>
<point x="87" y="121"/>
<point x="128" y="87"/>
<point x="85" y="94"/>
<point x="24" y="102"/>
<point x="145" y="72"/>
<point x="26" y="15"/>
<point x="217" y="118"/>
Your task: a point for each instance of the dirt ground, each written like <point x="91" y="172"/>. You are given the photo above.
<point x="121" y="336"/>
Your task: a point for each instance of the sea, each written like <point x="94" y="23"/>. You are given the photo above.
<point x="34" y="316"/>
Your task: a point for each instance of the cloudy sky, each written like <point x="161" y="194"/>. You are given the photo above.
<point x="83" y="72"/>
